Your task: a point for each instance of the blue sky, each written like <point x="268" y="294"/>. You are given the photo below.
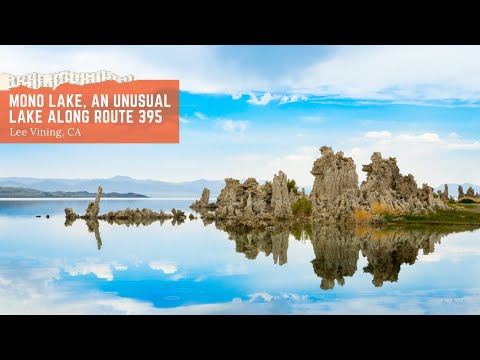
<point x="254" y="110"/>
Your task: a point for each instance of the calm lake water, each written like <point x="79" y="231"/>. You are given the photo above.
<point x="192" y="268"/>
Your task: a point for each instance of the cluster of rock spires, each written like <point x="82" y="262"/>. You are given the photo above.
<point x="249" y="202"/>
<point x="470" y="192"/>
<point x="335" y="197"/>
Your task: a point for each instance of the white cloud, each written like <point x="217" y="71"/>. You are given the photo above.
<point x="407" y="74"/>
<point x="167" y="268"/>
<point x="92" y="266"/>
<point x="233" y="126"/>
<point x="397" y="72"/>
<point x="200" y="115"/>
<point x="262" y="296"/>
<point x="291" y="99"/>
<point x="426" y="137"/>
<point x="263" y="100"/>
<point x="183" y="120"/>
<point x="431" y="158"/>
<point x="378" y="135"/>
<point x="296" y="164"/>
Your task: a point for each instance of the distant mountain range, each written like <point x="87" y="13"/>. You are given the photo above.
<point x="118" y="184"/>
<point x="453" y="188"/>
<point x="21" y="192"/>
<point x="125" y="186"/>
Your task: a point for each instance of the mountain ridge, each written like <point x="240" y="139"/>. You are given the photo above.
<point x="22" y="192"/>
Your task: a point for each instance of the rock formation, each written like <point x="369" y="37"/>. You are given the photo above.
<point x="460" y="192"/>
<point x="252" y="203"/>
<point x="70" y="216"/>
<point x="387" y="190"/>
<point x="281" y="205"/>
<point x="445" y="196"/>
<point x="93" y="209"/>
<point x="334" y="194"/>
<point x="470" y="192"/>
<point x="123" y="217"/>
<point x="203" y="203"/>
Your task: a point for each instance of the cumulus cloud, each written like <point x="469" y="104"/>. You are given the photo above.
<point x="291" y="99"/>
<point x="167" y="268"/>
<point x="233" y="126"/>
<point x="92" y="266"/>
<point x="405" y="74"/>
<point x="262" y="100"/>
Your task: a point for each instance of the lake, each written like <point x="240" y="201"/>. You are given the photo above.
<point x="196" y="268"/>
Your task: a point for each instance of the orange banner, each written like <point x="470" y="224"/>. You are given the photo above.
<point x="141" y="111"/>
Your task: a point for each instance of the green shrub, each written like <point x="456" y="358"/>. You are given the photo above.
<point x="302" y="207"/>
<point x="292" y="186"/>
<point x="466" y="201"/>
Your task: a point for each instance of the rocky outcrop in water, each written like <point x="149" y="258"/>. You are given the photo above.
<point x="203" y="203"/>
<point x="387" y="190"/>
<point x="255" y="204"/>
<point x="123" y="217"/>
<point x="93" y="208"/>
<point x="70" y="216"/>
<point x="334" y="194"/>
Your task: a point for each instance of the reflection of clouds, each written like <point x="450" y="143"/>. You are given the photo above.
<point x="261" y="296"/>
<point x="28" y="289"/>
<point x="167" y="268"/>
<point x="455" y="247"/>
<point x="266" y="297"/>
<point x="233" y="269"/>
<point x="100" y="270"/>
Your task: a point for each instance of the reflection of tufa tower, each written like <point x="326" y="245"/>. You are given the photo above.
<point x="337" y="251"/>
<point x="387" y="251"/>
<point x="336" y="254"/>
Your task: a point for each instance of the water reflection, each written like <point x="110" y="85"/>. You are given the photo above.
<point x="336" y="252"/>
<point x="336" y="249"/>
